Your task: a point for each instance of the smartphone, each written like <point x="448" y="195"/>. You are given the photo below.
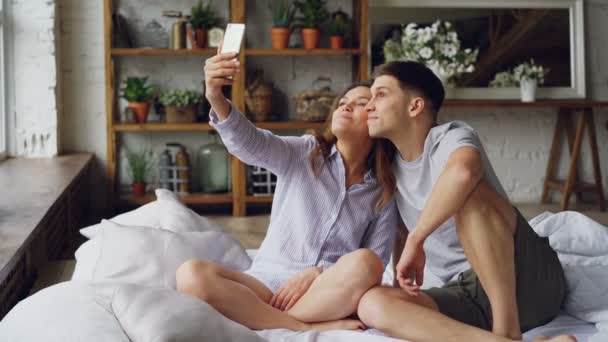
<point x="233" y="37"/>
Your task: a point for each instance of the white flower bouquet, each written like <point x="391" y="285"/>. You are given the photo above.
<point x="436" y="46"/>
<point x="530" y="71"/>
<point x="503" y="79"/>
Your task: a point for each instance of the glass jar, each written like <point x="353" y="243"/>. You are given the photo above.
<point x="213" y="166"/>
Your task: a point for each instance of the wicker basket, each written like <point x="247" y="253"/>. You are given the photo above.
<point x="181" y="114"/>
<point x="314" y="105"/>
<point x="258" y="98"/>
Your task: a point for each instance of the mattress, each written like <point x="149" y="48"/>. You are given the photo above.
<point x="59" y="271"/>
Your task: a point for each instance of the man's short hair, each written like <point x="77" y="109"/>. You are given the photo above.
<point x="414" y="76"/>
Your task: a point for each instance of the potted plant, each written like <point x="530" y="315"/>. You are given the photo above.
<point x="139" y="165"/>
<point x="337" y="31"/>
<point x="181" y="105"/>
<point x="202" y="18"/>
<point x="138" y="94"/>
<point x="283" y="13"/>
<point x="529" y="76"/>
<point x="313" y="14"/>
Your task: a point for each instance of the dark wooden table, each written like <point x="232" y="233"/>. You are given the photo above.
<point x="566" y="110"/>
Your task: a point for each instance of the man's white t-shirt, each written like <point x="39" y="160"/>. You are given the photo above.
<point x="415" y="179"/>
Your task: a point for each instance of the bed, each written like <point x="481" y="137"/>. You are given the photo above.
<point x="113" y="293"/>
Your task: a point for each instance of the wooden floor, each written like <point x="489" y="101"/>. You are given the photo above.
<point x="250" y="230"/>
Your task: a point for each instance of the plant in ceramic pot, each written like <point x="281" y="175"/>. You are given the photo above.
<point x="139" y="166"/>
<point x="181" y="105"/>
<point x="313" y="14"/>
<point x="283" y="13"/>
<point x="530" y="76"/>
<point x="138" y="94"/>
<point x="337" y="31"/>
<point x="202" y="18"/>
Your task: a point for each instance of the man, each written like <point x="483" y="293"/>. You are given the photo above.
<point x="501" y="277"/>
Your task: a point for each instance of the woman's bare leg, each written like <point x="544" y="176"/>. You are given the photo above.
<point x="230" y="292"/>
<point x="335" y="294"/>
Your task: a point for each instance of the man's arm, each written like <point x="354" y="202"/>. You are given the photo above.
<point x="462" y="173"/>
<point x="400" y="238"/>
<point x="459" y="177"/>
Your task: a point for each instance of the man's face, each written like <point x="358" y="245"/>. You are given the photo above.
<point x="387" y="110"/>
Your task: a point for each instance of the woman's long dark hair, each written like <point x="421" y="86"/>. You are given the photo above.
<point x="379" y="159"/>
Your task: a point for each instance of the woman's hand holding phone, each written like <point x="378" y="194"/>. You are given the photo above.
<point x="217" y="68"/>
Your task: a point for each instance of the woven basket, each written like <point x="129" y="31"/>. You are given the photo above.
<point x="258" y="98"/>
<point x="314" y="105"/>
<point x="181" y="114"/>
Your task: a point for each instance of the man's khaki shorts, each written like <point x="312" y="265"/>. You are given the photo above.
<point x="540" y="285"/>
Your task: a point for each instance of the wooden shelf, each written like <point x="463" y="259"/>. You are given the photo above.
<point x="162" y="127"/>
<point x="193" y="198"/>
<point x="249" y="52"/>
<point x="172" y="127"/>
<point x="302" y="52"/>
<point x="280" y="125"/>
<point x="571" y="103"/>
<point x="162" y="52"/>
<point x="258" y="199"/>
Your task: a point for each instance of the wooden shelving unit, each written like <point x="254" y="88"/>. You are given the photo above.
<point x="238" y="198"/>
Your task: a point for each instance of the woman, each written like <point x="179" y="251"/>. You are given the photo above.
<point x="332" y="223"/>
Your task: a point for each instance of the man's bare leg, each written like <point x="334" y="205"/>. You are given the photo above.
<point x="336" y="292"/>
<point x="485" y="226"/>
<point x="243" y="298"/>
<point x="400" y="315"/>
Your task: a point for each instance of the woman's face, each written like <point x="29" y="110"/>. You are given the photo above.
<point x="350" y="118"/>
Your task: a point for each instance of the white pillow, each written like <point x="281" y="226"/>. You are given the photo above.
<point x="86" y="257"/>
<point x="160" y="315"/>
<point x="167" y="212"/>
<point x="151" y="256"/>
<point x="63" y="312"/>
<point x="582" y="247"/>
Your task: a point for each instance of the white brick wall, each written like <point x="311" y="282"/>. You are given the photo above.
<point x="35" y="86"/>
<point x="517" y="140"/>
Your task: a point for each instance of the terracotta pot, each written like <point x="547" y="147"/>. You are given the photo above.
<point x="139" y="189"/>
<point x="280" y="37"/>
<point x="310" y="36"/>
<point x="141" y="110"/>
<point x="336" y="42"/>
<point x="198" y="38"/>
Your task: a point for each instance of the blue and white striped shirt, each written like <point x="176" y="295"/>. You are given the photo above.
<point x="314" y="219"/>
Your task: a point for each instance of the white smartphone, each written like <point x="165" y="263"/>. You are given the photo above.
<point x="233" y="38"/>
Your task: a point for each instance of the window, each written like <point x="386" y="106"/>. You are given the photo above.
<point x="3" y="115"/>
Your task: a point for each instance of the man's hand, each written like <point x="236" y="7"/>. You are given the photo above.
<point x="410" y="268"/>
<point x="294" y="288"/>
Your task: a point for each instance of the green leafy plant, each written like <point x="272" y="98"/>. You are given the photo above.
<point x="283" y="13"/>
<point x="139" y="165"/>
<point x="314" y="13"/>
<point x="203" y="16"/>
<point x="180" y="98"/>
<point x="337" y="27"/>
<point x="136" y="89"/>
